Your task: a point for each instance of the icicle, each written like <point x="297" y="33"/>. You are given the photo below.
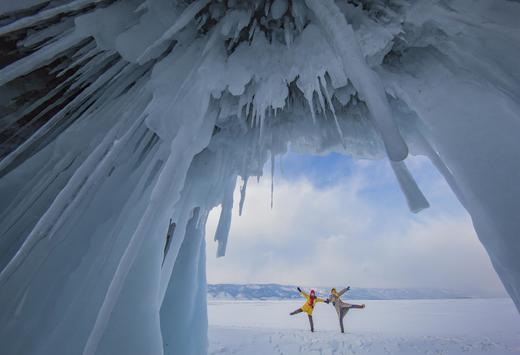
<point x="10" y="119"/>
<point x="414" y="197"/>
<point x="298" y="12"/>
<point x="242" y="196"/>
<point x="85" y="58"/>
<point x="266" y="7"/>
<point x="343" y="40"/>
<point x="46" y="15"/>
<point x="262" y="119"/>
<point x="325" y="93"/>
<point x="203" y="216"/>
<point x="27" y="197"/>
<point x="252" y="30"/>
<point x="224" y="222"/>
<point x="39" y="58"/>
<point x="46" y="35"/>
<point x="281" y="165"/>
<point x="279" y="8"/>
<point x="287" y="30"/>
<point x="272" y="178"/>
<point x="213" y="37"/>
<point x="437" y="161"/>
<point x="50" y="126"/>
<point x="311" y="107"/>
<point x="320" y="99"/>
<point x="187" y="15"/>
<point x="193" y="137"/>
<point x="169" y="235"/>
<point x="85" y="177"/>
<point x="55" y="123"/>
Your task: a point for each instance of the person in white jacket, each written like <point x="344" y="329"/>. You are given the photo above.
<point x="342" y="308"/>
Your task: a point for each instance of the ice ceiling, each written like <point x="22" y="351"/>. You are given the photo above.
<point x="123" y="123"/>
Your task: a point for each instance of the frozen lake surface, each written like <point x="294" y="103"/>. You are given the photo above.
<point x="468" y="326"/>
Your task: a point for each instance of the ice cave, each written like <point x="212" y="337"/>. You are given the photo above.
<point x="124" y="122"/>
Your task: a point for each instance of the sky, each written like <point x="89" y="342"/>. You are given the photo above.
<point x="338" y="221"/>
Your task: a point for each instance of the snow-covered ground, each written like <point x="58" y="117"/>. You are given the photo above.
<point x="471" y="326"/>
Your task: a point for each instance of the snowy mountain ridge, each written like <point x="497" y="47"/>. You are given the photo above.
<point x="286" y="292"/>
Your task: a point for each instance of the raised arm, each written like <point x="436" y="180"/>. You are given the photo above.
<point x="318" y="299"/>
<point x="302" y="293"/>
<point x="340" y="293"/>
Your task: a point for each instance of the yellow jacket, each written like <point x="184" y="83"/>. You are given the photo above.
<point x="308" y="307"/>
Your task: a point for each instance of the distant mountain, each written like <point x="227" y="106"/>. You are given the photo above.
<point x="287" y="292"/>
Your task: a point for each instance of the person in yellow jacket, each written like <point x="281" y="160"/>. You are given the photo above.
<point x="308" y="307"/>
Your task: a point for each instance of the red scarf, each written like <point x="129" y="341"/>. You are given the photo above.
<point x="311" y="301"/>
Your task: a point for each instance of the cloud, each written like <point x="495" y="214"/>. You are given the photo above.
<point x="356" y="231"/>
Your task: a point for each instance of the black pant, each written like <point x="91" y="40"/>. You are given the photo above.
<point x="299" y="310"/>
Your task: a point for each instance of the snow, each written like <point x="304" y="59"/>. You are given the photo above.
<point x="118" y="117"/>
<point x="477" y="326"/>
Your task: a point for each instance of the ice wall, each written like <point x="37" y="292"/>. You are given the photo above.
<point x="122" y="119"/>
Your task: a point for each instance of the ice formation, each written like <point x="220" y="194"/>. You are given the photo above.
<point x="125" y="122"/>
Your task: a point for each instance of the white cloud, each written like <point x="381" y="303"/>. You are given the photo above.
<point x="336" y="235"/>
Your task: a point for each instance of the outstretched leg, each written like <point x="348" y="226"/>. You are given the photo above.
<point x="357" y="306"/>
<point x="343" y="312"/>
<point x="299" y="310"/>
<point x="311" y="323"/>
